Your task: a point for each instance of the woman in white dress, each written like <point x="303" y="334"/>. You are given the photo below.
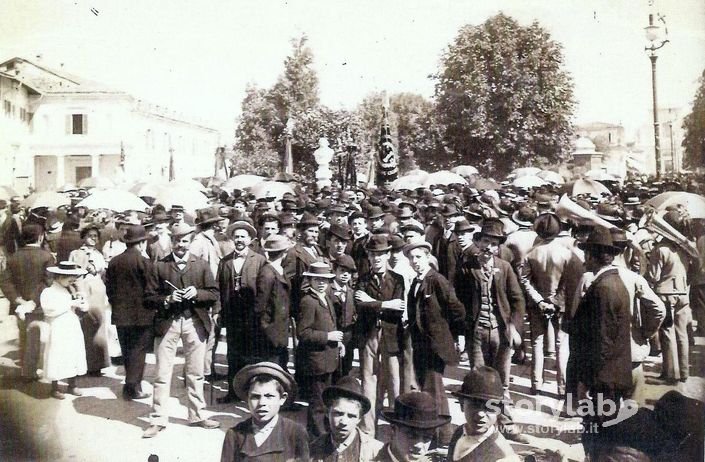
<point x="94" y="325"/>
<point x="65" y="353"/>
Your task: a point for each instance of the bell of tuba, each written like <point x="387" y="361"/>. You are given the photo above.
<point x="566" y="208"/>
<point x="656" y="224"/>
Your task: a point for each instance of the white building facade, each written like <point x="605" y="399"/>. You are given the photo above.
<point x="79" y="129"/>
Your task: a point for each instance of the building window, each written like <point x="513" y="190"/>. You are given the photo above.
<point x="77" y="124"/>
<point x="7" y="106"/>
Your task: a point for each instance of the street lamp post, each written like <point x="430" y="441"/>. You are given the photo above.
<point x="653" y="35"/>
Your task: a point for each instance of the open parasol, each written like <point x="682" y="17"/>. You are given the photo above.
<point x="551" y="177"/>
<point x="117" y="200"/>
<point x="525" y="171"/>
<point x="444" y="177"/>
<point x="589" y="187"/>
<point x="99" y="182"/>
<point x="241" y="182"/>
<point x="528" y="182"/>
<point x="50" y="199"/>
<point x="465" y="170"/>
<point x="274" y="189"/>
<point x="694" y="203"/>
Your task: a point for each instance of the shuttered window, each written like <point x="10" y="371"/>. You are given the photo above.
<point x="77" y="124"/>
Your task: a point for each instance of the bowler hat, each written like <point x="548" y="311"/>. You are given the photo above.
<point x="67" y="268"/>
<point x="412" y="225"/>
<point x="405" y="214"/>
<point x="181" y="229"/>
<point x="416" y="409"/>
<point x="415" y="245"/>
<point x="161" y="217"/>
<point x="242" y="224"/>
<point x="600" y="238"/>
<point x="547" y="225"/>
<point x="177" y="208"/>
<point x="135" y="234"/>
<point x="345" y="261"/>
<point x="450" y="210"/>
<point x="338" y="208"/>
<point x="347" y="387"/>
<point x="307" y="220"/>
<point x="396" y="242"/>
<point x="609" y="212"/>
<point x="241" y="381"/>
<point x="287" y="219"/>
<point x="276" y="243"/>
<point x="377" y="243"/>
<point x="341" y="231"/>
<point x="375" y="212"/>
<point x="319" y="269"/>
<point x="208" y="215"/>
<point x="493" y="227"/>
<point x="463" y="225"/>
<point x="481" y="383"/>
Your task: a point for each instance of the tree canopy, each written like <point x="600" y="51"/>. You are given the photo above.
<point x="502" y="96"/>
<point x="694" y="126"/>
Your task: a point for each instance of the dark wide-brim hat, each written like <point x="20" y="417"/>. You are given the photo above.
<point x="134" y="234"/>
<point x="415" y="245"/>
<point x="340" y="231"/>
<point x="600" y="238"/>
<point x="483" y="383"/>
<point x="378" y="243"/>
<point x="242" y="379"/>
<point x="208" y="215"/>
<point x="307" y="220"/>
<point x="416" y="409"/>
<point x="347" y="387"/>
<point x="492" y="227"/>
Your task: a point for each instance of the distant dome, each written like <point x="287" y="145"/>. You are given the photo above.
<point x="583" y="145"/>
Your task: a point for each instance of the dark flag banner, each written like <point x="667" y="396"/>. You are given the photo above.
<point x="387" y="168"/>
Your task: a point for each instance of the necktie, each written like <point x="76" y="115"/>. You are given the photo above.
<point x="414" y="312"/>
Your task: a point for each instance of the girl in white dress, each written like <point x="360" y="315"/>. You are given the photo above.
<point x="65" y="352"/>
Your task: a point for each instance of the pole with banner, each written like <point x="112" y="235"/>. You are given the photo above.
<point x="387" y="162"/>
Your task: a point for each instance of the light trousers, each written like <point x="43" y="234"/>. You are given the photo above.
<point x="674" y="336"/>
<point x="193" y="335"/>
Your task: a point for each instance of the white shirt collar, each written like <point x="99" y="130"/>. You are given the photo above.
<point x="182" y="260"/>
<point x="261" y="434"/>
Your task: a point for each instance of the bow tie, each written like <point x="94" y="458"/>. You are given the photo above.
<point x="242" y="254"/>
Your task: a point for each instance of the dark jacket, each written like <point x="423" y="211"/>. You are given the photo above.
<point x="600" y="332"/>
<point x="317" y="319"/>
<point x="69" y="241"/>
<point x="296" y="262"/>
<point x="441" y="315"/>
<point x="238" y="307"/>
<point x="26" y="275"/>
<point x="391" y="288"/>
<point x="196" y="273"/>
<point x="358" y="252"/>
<point x="271" y="312"/>
<point x="505" y="290"/>
<point x="345" y="312"/>
<point x="125" y="284"/>
<point x="288" y="442"/>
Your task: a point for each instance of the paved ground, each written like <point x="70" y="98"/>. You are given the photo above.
<point x="100" y="426"/>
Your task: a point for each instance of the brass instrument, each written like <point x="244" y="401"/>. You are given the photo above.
<point x="656" y="224"/>
<point x="566" y="208"/>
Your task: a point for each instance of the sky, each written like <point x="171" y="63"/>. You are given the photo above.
<point x="197" y="57"/>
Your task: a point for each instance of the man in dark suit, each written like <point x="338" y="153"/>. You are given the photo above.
<point x="345" y="310"/>
<point x="182" y="291"/>
<point x="496" y="311"/>
<point x="380" y="305"/>
<point x="360" y="236"/>
<point x="320" y="342"/>
<point x="125" y="283"/>
<point x="435" y="315"/>
<point x="22" y="282"/>
<point x="237" y="279"/>
<point x="271" y="327"/>
<point x="601" y="328"/>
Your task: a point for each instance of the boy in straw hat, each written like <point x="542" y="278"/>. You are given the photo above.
<point x="320" y="341"/>
<point x="265" y="436"/>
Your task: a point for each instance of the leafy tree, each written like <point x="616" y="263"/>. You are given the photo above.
<point x="503" y="97"/>
<point x="694" y="126"/>
<point x="255" y="150"/>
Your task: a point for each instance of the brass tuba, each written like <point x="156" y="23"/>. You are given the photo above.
<point x="566" y="208"/>
<point x="656" y="224"/>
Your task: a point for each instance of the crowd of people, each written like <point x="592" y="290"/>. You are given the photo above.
<point x="410" y="282"/>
